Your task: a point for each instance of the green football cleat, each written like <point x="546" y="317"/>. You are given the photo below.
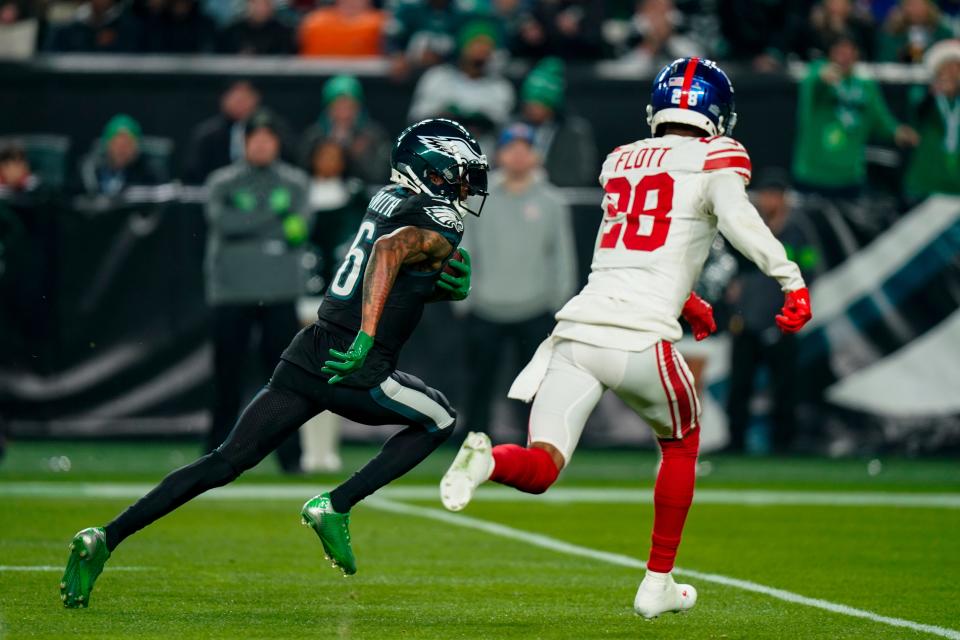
<point x="334" y="531"/>
<point x="88" y="554"/>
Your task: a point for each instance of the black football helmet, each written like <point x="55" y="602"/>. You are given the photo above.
<point x="443" y="148"/>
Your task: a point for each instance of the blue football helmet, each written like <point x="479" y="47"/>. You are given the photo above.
<point x="695" y="92"/>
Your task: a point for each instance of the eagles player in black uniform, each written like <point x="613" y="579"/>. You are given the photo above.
<point x="346" y="361"/>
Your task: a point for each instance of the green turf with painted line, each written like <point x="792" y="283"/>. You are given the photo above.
<point x="246" y="568"/>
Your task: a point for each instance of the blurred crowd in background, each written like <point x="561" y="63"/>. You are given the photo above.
<point x="422" y="33"/>
<point x="282" y="205"/>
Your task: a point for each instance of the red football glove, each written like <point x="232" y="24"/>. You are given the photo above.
<point x="699" y="315"/>
<point x="796" y="311"/>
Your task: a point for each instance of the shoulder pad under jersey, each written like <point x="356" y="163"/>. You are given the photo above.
<point x="727" y="155"/>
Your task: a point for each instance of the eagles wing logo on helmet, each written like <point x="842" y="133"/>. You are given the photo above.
<point x="445" y="217"/>
<point x="452" y="147"/>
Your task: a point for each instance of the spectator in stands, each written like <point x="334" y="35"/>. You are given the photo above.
<point x="564" y="141"/>
<point x="525" y="269"/>
<point x="257" y="227"/>
<point x="15" y="172"/>
<point x="838" y="111"/>
<point x="760" y="32"/>
<point x="656" y="38"/>
<point x="349" y="28"/>
<point x="117" y="162"/>
<point x="570" y="29"/>
<point x="219" y="140"/>
<point x="470" y="91"/>
<point x="910" y="29"/>
<point x="18" y="28"/>
<point x="421" y="34"/>
<point x="337" y="202"/>
<point x="259" y="32"/>
<point x="830" y="18"/>
<point x="756" y="341"/>
<point x="935" y="110"/>
<point x="174" y="26"/>
<point x="345" y="121"/>
<point x="99" y="26"/>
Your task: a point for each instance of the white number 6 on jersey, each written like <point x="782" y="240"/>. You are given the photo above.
<point x="348" y="274"/>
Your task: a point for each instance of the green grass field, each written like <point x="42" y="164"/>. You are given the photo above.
<point x="884" y="546"/>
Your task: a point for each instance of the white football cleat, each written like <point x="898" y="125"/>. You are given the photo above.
<point x="471" y="468"/>
<point x="658" y="593"/>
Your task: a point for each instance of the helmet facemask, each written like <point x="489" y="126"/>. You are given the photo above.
<point x="475" y="181"/>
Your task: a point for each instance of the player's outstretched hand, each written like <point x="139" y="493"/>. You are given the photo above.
<point x="456" y="281"/>
<point x="699" y="315"/>
<point x="345" y="363"/>
<point x="796" y="311"/>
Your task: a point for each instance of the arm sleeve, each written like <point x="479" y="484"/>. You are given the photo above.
<point x="742" y="226"/>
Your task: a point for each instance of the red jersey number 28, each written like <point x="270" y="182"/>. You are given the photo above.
<point x="653" y="235"/>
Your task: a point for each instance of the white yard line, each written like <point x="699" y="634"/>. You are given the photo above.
<point x="51" y="568"/>
<point x="559" y="546"/>
<point x="611" y="495"/>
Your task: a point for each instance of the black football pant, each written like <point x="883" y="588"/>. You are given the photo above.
<point x="233" y="328"/>
<point x="292" y="397"/>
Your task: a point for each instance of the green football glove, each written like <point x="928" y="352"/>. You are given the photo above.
<point x="457" y="286"/>
<point x="344" y="364"/>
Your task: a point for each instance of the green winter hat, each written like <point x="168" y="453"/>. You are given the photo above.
<point x="552" y="65"/>
<point x="118" y="123"/>
<point x="545" y="84"/>
<point x="339" y="86"/>
<point x="477" y="29"/>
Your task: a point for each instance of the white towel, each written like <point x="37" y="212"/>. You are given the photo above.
<point x="528" y="381"/>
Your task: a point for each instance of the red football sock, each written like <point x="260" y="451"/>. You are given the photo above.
<point x="530" y="470"/>
<point x="672" y="496"/>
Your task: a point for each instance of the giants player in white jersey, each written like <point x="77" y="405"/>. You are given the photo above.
<point x="665" y="198"/>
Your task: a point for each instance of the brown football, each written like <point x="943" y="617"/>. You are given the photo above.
<point x="448" y="269"/>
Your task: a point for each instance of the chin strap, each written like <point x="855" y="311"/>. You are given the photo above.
<point x="409" y="180"/>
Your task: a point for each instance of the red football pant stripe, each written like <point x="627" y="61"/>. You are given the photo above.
<point x="672" y="496"/>
<point x="530" y="470"/>
<point x="684" y="405"/>
<point x="666" y="387"/>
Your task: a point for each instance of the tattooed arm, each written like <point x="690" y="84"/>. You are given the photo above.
<point x="408" y="245"/>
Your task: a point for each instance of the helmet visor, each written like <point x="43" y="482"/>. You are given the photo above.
<point x="476" y="179"/>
